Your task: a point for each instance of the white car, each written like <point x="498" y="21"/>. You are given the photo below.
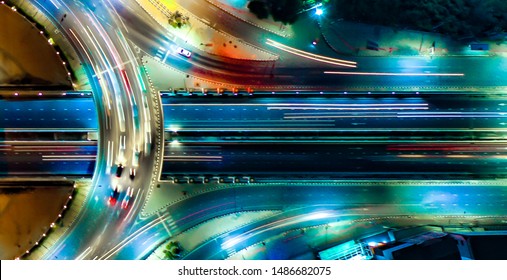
<point x="183" y="52"/>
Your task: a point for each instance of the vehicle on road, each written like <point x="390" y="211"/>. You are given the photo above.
<point x="135" y="157"/>
<point x="119" y="170"/>
<point x="183" y="52"/>
<point x="132" y="173"/>
<point x="113" y="196"/>
<point x="127" y="198"/>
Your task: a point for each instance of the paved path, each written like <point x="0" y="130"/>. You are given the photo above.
<point x="342" y="37"/>
<point x="238" y="9"/>
<point x="196" y="236"/>
<point x="202" y="35"/>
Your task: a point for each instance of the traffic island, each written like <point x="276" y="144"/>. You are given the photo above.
<point x="27" y="56"/>
<point x="29" y="210"/>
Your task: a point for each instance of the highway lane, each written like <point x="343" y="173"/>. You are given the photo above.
<point x="335" y="160"/>
<point x="437" y="135"/>
<point x="57" y="114"/>
<point x="421" y="112"/>
<point x="40" y="158"/>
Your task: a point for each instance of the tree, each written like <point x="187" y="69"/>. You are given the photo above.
<point x="177" y="19"/>
<point x="173" y="251"/>
<point x="285" y="11"/>
<point x="457" y="18"/>
<point x="258" y="8"/>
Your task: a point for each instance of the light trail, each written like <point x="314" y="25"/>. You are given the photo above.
<point x="225" y="122"/>
<point x="204" y="210"/>
<point x="73" y="159"/>
<point x="48" y="148"/>
<point x="147" y="142"/>
<point x="98" y="48"/>
<point x="295" y="104"/>
<point x="52" y="2"/>
<point x="133" y="204"/>
<point x="84" y="50"/>
<point x="134" y="235"/>
<point x="393" y="74"/>
<point x="278" y="224"/>
<point x="411" y="156"/>
<point x="100" y="74"/>
<point x="132" y="60"/>
<point x="165" y="227"/>
<point x="106" y="38"/>
<point x="339" y="116"/>
<point x="5" y="148"/>
<point x="84" y="254"/>
<point x="194" y="160"/>
<point x="97" y="70"/>
<point x="109" y="69"/>
<point x="324" y="59"/>
<point x="451" y="116"/>
<point x="265" y="124"/>
<point x="121" y="114"/>
<point x="340" y="129"/>
<point x="472" y="147"/>
<point x="302" y="114"/>
<point x="219" y="157"/>
<point x="69" y="157"/>
<point x="106" y="94"/>
<point x="460" y="156"/>
<point x="291" y="128"/>
<point x="502" y="157"/>
<point x="117" y="15"/>
<point x="452" y="113"/>
<point x="109" y="156"/>
<point x="347" y="109"/>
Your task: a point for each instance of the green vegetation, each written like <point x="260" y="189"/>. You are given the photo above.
<point x="285" y="11"/>
<point x="173" y="251"/>
<point x="178" y="20"/>
<point x="259" y="8"/>
<point x="457" y="18"/>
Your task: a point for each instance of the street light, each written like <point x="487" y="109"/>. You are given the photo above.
<point x="319" y="11"/>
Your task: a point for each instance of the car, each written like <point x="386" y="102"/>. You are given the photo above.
<point x="135" y="157"/>
<point x="119" y="170"/>
<point x="183" y="52"/>
<point x="113" y="196"/>
<point x="132" y="173"/>
<point x="126" y="199"/>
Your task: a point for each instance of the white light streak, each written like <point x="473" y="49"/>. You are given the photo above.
<point x="392" y="74"/>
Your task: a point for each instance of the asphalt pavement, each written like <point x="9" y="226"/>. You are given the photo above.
<point x="49" y="114"/>
<point x="293" y="137"/>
